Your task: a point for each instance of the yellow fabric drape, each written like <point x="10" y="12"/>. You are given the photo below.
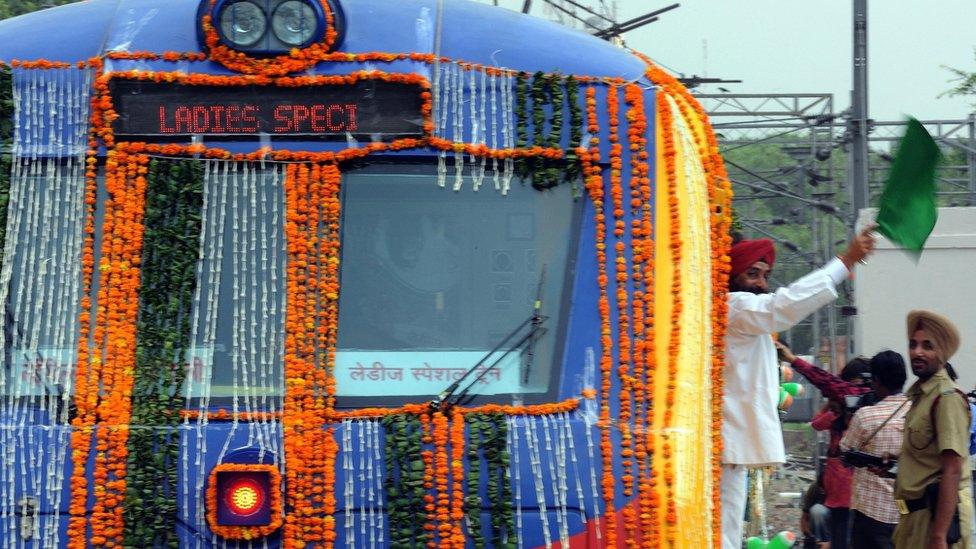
<point x="690" y="430"/>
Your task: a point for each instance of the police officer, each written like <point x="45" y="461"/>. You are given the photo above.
<point x="932" y="488"/>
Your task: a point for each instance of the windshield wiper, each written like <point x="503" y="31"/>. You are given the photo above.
<point x="450" y="397"/>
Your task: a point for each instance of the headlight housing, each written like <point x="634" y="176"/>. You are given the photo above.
<point x="242" y="23"/>
<point x="294" y="22"/>
<point x="269" y="27"/>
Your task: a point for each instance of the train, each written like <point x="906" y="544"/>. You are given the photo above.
<point x="354" y="273"/>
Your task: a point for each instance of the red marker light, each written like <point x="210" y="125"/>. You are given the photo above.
<point x="244" y="500"/>
<point x="244" y="496"/>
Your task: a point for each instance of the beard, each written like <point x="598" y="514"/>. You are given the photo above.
<point x="751" y="289"/>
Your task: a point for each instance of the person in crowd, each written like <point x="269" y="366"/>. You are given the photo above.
<point x="815" y="517"/>
<point x="877" y="430"/>
<point x="834" y="417"/>
<point x="751" y="428"/>
<point x="932" y="486"/>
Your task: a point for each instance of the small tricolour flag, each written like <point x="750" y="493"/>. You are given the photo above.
<point x="908" y="211"/>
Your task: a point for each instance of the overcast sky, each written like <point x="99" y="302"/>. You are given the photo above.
<point x="788" y="46"/>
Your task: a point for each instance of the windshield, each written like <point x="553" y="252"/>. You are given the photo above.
<point x="433" y="280"/>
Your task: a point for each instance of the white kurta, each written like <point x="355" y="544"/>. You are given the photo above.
<point x="750" y="428"/>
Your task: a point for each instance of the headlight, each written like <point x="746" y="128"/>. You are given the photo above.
<point x="243" y="23"/>
<point x="294" y="22"/>
<point x="270" y="27"/>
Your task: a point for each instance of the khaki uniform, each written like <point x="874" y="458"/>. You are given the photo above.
<point x="920" y="463"/>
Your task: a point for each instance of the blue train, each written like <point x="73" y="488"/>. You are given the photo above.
<point x="354" y="273"/>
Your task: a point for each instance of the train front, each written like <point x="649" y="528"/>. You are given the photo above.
<point x="305" y="273"/>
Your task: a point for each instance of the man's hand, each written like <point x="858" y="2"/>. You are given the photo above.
<point x="860" y="247"/>
<point x="784" y="352"/>
<point x="936" y="542"/>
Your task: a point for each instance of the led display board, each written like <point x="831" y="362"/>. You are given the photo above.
<point x="364" y="108"/>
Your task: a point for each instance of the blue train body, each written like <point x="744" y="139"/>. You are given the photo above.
<point x="557" y="460"/>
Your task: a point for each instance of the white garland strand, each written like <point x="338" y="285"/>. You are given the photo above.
<point x="515" y="471"/>
<point x="349" y="486"/>
<point x="41" y="279"/>
<point x="508" y="125"/>
<point x="556" y="460"/>
<point x="538" y="477"/>
<point x="588" y="425"/>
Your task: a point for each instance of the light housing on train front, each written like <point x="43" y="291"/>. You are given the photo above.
<point x="242" y="23"/>
<point x="268" y="27"/>
<point x="294" y="22"/>
<point x="244" y="500"/>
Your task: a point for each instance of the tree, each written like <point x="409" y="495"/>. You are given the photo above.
<point x="966" y="82"/>
<point x="13" y="8"/>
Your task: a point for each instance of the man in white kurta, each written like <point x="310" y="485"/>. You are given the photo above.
<point x="751" y="429"/>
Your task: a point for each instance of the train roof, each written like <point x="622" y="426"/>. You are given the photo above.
<point x="471" y="32"/>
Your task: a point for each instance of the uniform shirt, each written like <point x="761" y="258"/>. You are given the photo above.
<point x="751" y="428"/>
<point x="920" y="463"/>
<point x="871" y="494"/>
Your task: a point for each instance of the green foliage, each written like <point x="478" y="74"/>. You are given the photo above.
<point x="761" y="210"/>
<point x="172" y="227"/>
<point x="488" y="460"/>
<point x="574" y="167"/>
<point x="404" y="481"/>
<point x="550" y="98"/>
<point x="13" y="8"/>
<point x="965" y="82"/>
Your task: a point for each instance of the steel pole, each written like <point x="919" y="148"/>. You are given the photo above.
<point x="859" y="110"/>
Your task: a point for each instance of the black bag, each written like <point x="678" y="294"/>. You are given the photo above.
<point x="854" y="458"/>
<point x="931" y="496"/>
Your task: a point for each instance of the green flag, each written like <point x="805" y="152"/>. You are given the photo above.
<point x="908" y="213"/>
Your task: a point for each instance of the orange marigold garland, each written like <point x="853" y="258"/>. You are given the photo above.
<point x="664" y="110"/>
<point x="86" y="387"/>
<point x="442" y="497"/>
<point x="302" y="428"/>
<point x="329" y="284"/>
<point x="720" y="197"/>
<point x="624" y="342"/>
<point x="594" y="186"/>
<point x="457" y="443"/>
<point x="153" y="56"/>
<point x="643" y="306"/>
<point x="119" y="266"/>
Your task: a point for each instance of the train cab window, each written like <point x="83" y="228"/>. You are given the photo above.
<point x="433" y="280"/>
<point x="237" y="330"/>
<point x="40" y="281"/>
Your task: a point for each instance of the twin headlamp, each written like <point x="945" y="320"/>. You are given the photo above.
<point x="269" y="26"/>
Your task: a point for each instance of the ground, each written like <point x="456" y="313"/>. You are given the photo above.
<point x="785" y="486"/>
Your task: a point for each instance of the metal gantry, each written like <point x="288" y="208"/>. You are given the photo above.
<point x="821" y="184"/>
<point x="830" y="163"/>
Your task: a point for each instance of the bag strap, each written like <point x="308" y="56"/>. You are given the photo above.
<point x="935" y="403"/>
<point x="885" y="422"/>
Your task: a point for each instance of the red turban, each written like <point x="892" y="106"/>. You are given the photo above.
<point x="746" y="252"/>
